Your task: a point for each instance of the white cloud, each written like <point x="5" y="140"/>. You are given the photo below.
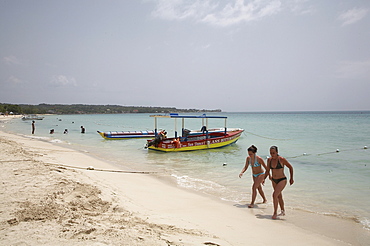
<point x="241" y="12"/>
<point x="206" y="46"/>
<point x="208" y="11"/>
<point x="352" y="16"/>
<point x="182" y="9"/>
<point x="12" y="60"/>
<point x="354" y="70"/>
<point x="14" y="80"/>
<point x="61" y="80"/>
<point x="300" y="7"/>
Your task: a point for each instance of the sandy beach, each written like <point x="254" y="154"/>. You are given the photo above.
<point x="51" y="195"/>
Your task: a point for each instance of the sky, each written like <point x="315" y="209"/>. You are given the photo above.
<point x="236" y="55"/>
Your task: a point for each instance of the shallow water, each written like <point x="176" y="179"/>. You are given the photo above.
<point x="326" y="181"/>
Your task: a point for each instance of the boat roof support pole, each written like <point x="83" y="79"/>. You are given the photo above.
<point x="182" y="126"/>
<point x="175" y="127"/>
<point x="206" y="128"/>
<point x="225" y="126"/>
<point x="155" y="126"/>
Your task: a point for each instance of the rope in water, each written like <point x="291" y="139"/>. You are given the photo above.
<point x="327" y="153"/>
<point x="304" y="154"/>
<point x="265" y="137"/>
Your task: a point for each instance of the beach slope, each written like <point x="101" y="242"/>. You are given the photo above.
<point x="50" y="197"/>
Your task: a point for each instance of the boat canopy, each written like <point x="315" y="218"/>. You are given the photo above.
<point x="183" y="117"/>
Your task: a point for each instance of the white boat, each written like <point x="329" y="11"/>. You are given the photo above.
<point x="32" y="117"/>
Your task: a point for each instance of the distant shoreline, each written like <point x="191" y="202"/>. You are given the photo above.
<point x="91" y="109"/>
<point x="71" y="109"/>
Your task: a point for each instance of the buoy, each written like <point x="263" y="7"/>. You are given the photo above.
<point x="365" y="147"/>
<point x="337" y="150"/>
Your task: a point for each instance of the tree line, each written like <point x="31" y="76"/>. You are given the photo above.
<point x="89" y="109"/>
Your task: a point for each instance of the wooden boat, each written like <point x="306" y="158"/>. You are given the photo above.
<point x="117" y="135"/>
<point x="32" y="117"/>
<point x="204" y="139"/>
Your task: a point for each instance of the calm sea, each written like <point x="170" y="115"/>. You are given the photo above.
<point x="326" y="149"/>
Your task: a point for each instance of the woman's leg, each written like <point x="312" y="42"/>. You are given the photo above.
<point x="278" y="188"/>
<point x="254" y="192"/>
<point x="260" y="190"/>
<point x="281" y="204"/>
<point x="256" y="185"/>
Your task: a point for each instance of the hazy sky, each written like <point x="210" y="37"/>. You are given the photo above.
<point x="251" y="55"/>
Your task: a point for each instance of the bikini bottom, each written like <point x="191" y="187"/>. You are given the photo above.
<point x="258" y="174"/>
<point x="278" y="180"/>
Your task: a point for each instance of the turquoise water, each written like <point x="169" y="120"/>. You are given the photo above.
<point x="326" y="181"/>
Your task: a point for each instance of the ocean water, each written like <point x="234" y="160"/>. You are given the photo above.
<point x="327" y="150"/>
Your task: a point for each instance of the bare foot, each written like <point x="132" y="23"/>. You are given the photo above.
<point x="282" y="213"/>
<point x="274" y="217"/>
<point x="264" y="201"/>
<point x="251" y="206"/>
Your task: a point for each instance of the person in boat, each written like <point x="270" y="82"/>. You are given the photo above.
<point x="203" y="129"/>
<point x="185" y="134"/>
<point x="276" y="164"/>
<point x="258" y="173"/>
<point x="160" y="136"/>
<point x="177" y="143"/>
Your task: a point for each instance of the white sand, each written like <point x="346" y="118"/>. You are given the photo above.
<point x="44" y="203"/>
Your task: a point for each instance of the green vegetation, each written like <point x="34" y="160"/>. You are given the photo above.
<point x="90" y="109"/>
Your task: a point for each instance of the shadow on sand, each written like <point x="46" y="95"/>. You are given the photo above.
<point x="256" y="205"/>
<point x="268" y="217"/>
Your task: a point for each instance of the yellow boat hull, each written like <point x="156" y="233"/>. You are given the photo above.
<point x="211" y="143"/>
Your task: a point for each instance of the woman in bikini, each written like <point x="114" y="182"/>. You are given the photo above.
<point x="277" y="163"/>
<point x="256" y="163"/>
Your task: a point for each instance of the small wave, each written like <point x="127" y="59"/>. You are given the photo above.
<point x="197" y="184"/>
<point x="35" y="137"/>
<point x="46" y="139"/>
<point x="366" y="223"/>
<point x="209" y="187"/>
<point x="56" y="141"/>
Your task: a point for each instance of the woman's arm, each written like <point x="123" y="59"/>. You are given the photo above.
<point x="286" y="163"/>
<point x="267" y="173"/>
<point x="261" y="161"/>
<point x="245" y="167"/>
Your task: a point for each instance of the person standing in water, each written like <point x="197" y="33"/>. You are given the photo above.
<point x="82" y="129"/>
<point x="33" y="127"/>
<point x="276" y="164"/>
<point x="258" y="173"/>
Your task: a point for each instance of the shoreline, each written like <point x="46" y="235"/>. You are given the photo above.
<point x="156" y="202"/>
